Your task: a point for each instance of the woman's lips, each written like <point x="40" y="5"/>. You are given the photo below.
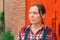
<point x="32" y="19"/>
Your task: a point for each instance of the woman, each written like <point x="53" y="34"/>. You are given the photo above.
<point x="37" y="30"/>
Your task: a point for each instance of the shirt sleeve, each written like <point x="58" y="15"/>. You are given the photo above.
<point x="21" y="31"/>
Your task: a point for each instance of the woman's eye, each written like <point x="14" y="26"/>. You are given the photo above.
<point x="35" y="12"/>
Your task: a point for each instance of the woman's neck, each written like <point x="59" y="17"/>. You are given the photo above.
<point x="36" y="26"/>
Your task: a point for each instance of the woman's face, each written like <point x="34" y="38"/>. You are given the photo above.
<point x="34" y="15"/>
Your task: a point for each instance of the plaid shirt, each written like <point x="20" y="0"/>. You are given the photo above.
<point x="38" y="36"/>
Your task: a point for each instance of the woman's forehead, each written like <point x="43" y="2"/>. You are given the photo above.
<point x="33" y="8"/>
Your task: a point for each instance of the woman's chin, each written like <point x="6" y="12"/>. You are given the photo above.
<point x="33" y="23"/>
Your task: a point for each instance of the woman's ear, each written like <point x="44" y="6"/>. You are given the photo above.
<point x="43" y="16"/>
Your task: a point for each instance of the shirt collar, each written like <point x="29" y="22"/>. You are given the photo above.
<point x="43" y="27"/>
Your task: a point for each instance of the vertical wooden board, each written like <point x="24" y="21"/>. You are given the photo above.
<point x="58" y="18"/>
<point x="0" y="5"/>
<point x="49" y="4"/>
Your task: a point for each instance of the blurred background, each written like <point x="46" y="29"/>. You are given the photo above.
<point x="14" y="15"/>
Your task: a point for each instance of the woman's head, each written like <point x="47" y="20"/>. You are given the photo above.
<point x="40" y="8"/>
<point x="37" y="13"/>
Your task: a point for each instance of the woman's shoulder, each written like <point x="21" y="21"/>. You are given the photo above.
<point x="23" y="28"/>
<point x="51" y="33"/>
<point x="51" y="30"/>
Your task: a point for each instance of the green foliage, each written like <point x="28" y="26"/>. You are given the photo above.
<point x="7" y="35"/>
<point x="2" y="21"/>
<point x="2" y="16"/>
